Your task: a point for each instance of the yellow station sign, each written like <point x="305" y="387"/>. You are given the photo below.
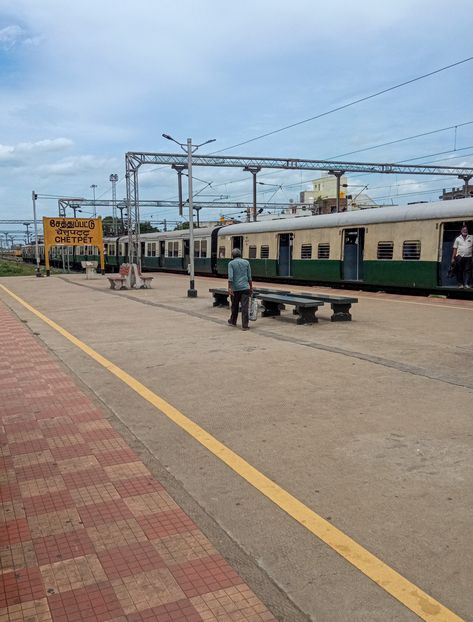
<point x="72" y="232"/>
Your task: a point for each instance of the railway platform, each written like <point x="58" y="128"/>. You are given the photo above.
<point x="87" y="532"/>
<point x="329" y="464"/>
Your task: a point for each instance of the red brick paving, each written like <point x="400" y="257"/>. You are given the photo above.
<point x="88" y="534"/>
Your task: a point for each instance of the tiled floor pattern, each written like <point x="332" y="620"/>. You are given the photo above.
<point x="86" y="533"/>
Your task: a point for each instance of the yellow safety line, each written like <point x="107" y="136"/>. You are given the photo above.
<point x="426" y="607"/>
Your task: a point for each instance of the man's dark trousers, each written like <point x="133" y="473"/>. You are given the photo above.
<point x="242" y="296"/>
<point x="463" y="270"/>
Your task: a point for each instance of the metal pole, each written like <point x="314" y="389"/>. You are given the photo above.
<point x="254" y="194"/>
<point x="338" y="193"/>
<point x="93" y="186"/>
<point x="114" y="178"/>
<point x="191" y="292"/>
<point x="34" y="196"/>
<point x="254" y="170"/>
<point x="137" y="220"/>
<point x="337" y="174"/>
<point x="179" y="168"/>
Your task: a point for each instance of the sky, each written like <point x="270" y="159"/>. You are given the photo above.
<point x="82" y="83"/>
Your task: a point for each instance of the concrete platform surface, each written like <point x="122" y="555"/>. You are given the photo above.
<point x="368" y="423"/>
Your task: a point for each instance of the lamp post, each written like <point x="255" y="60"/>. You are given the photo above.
<point x="34" y="196"/>
<point x="93" y="186"/>
<point x="190" y="149"/>
<point x="113" y="179"/>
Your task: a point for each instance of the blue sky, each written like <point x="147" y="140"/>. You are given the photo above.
<point x="83" y="83"/>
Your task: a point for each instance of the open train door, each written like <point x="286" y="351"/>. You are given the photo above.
<point x="353" y="249"/>
<point x="450" y="230"/>
<point x="186" y="259"/>
<point x="285" y="254"/>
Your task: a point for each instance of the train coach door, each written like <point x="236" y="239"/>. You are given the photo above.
<point x="162" y="252"/>
<point x="237" y="242"/>
<point x="285" y="254"/>
<point x="353" y="247"/>
<point x="186" y="260"/>
<point x="450" y="230"/>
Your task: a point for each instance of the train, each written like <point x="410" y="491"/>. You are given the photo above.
<point x="399" y="247"/>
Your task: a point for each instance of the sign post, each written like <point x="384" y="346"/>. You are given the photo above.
<point x="73" y="232"/>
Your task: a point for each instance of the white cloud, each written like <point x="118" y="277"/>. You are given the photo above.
<point x="18" y="154"/>
<point x="14" y="35"/>
<point x="77" y="165"/>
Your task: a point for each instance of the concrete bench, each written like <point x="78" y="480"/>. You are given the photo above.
<point x="146" y="281"/>
<point x="220" y="297"/>
<point x="117" y="281"/>
<point x="340" y="305"/>
<point x="306" y="309"/>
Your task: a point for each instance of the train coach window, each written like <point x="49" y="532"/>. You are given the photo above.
<point x="221" y="252"/>
<point x="264" y="252"/>
<point x="252" y="252"/>
<point x="152" y="249"/>
<point x="203" y="248"/>
<point x="385" y="250"/>
<point x="176" y="249"/>
<point x="323" y="251"/>
<point x="197" y="248"/>
<point x="306" y="251"/>
<point x="170" y="248"/>
<point x="411" y="249"/>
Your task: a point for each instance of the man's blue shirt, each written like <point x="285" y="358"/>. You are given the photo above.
<point x="239" y="274"/>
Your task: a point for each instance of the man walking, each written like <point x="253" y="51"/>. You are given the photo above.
<point x="461" y="257"/>
<point x="240" y="287"/>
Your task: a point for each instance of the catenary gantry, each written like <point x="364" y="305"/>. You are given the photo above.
<point x="135" y="159"/>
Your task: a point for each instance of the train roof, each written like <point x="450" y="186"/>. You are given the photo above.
<point x="458" y="208"/>
<point x="173" y="235"/>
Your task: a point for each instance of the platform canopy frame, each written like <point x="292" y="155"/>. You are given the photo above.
<point x="134" y="160"/>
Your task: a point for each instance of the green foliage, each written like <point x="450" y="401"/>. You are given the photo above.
<point x="147" y="227"/>
<point x="13" y="268"/>
<point x="181" y="226"/>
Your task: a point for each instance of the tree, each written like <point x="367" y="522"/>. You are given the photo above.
<point x="147" y="227"/>
<point x="181" y="226"/>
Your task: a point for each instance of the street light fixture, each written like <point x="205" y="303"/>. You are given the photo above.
<point x="189" y="148"/>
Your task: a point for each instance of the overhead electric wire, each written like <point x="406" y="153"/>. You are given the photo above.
<point x="400" y="140"/>
<point x="348" y="105"/>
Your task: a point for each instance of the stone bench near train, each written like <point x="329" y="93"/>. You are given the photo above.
<point x="274" y="303"/>
<point x="340" y="305"/>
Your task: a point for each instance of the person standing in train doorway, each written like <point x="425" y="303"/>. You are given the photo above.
<point x="462" y="257"/>
<point x="240" y="288"/>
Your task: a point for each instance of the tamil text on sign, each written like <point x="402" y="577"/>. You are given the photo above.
<point x="73" y="232"/>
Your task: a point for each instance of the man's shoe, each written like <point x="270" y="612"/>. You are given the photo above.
<point x="230" y="323"/>
<point x="245" y="328"/>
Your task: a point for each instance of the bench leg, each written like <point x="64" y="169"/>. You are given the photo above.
<point x="341" y="312"/>
<point x="271" y="309"/>
<point x="221" y="300"/>
<point x="306" y="315"/>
